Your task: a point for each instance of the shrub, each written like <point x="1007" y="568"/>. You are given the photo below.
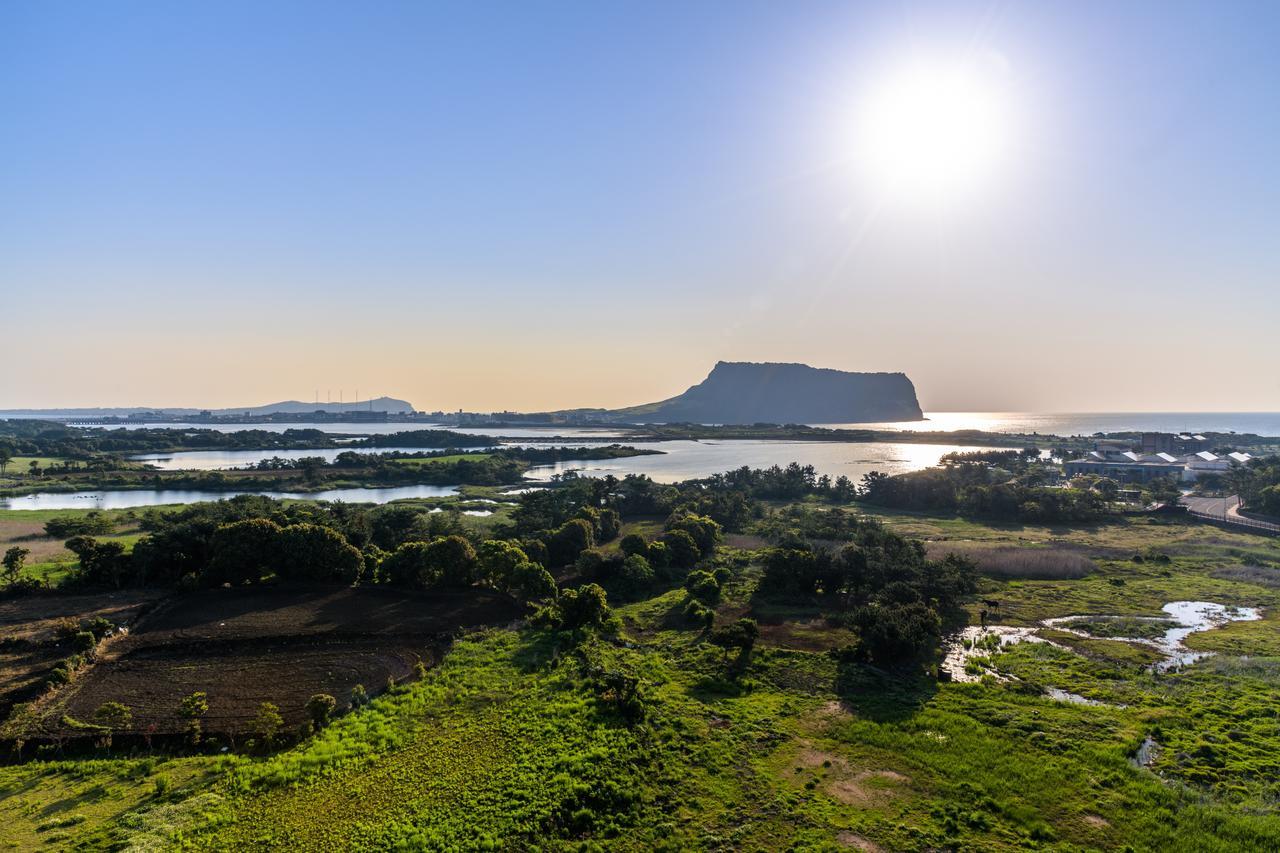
<point x="635" y="574"/>
<point x="703" y="586"/>
<point x="569" y="540"/>
<point x="634" y="543"/>
<point x="681" y="549"/>
<point x="588" y="563"/>
<point x="267" y="723"/>
<point x="320" y="708"/>
<point x="113" y="715"/>
<point x="697" y="613"/>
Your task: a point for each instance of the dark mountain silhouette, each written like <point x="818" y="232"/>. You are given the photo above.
<point x="292" y="407"/>
<point x="746" y="393"/>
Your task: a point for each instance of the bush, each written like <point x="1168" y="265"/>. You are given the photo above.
<point x="320" y="709"/>
<point x="92" y="523"/>
<point x="634" y="544"/>
<point x="697" y="613"/>
<point x="681" y="549"/>
<point x="588" y="563"/>
<point x="635" y="575"/>
<point x="703" y="586"/>
<point x="569" y="540"/>
<point x="113" y="715"/>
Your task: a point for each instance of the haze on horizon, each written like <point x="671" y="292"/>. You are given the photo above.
<point x="540" y="207"/>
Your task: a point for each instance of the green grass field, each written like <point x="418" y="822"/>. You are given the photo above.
<point x="510" y="744"/>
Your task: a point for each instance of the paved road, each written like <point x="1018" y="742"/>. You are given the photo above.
<point x="1226" y="509"/>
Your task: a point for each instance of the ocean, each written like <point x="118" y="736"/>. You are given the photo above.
<point x="1088" y="423"/>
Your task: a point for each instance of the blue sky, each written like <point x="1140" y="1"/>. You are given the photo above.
<point x="530" y="205"/>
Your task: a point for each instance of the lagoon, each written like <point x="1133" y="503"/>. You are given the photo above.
<point x="683" y="460"/>
<point x="225" y="460"/>
<point x="132" y="498"/>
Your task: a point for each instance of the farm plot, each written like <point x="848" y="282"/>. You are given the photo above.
<point x="291" y="611"/>
<point x="246" y="646"/>
<point x="237" y="677"/>
<point x="38" y="618"/>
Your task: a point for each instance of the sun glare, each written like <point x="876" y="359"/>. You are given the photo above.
<point x="933" y="134"/>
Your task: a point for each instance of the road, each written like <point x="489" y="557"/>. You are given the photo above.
<point x="1225" y="509"/>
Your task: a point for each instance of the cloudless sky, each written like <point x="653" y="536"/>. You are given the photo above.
<point x="550" y="204"/>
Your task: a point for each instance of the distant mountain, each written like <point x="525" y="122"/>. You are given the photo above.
<point x="746" y="393"/>
<point x="297" y="407"/>
<point x="292" y="407"/>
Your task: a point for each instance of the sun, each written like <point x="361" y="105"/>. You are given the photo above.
<point x="933" y="133"/>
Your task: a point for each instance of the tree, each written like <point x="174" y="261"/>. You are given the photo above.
<point x="531" y="582"/>
<point x="681" y="549"/>
<point x="703" y="586"/>
<point x="313" y="552"/>
<point x="244" y="551"/>
<point x="14" y="559"/>
<point x="6" y="456"/>
<point x="1106" y="488"/>
<point x="496" y="562"/>
<point x="634" y="543"/>
<point x="114" y="715"/>
<point x="320" y="708"/>
<point x="195" y="706"/>
<point x="575" y="609"/>
<point x="100" y="562"/>
<point x="635" y="574"/>
<point x="740" y="635"/>
<point x="192" y="708"/>
<point x="704" y="531"/>
<point x="449" y="561"/>
<point x="569" y="540"/>
<point x="268" y="722"/>
<point x="454" y="560"/>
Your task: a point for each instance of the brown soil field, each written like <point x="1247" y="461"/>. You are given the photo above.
<point x="23" y="671"/>
<point x="250" y="645"/>
<point x="35" y="618"/>
<point x="237" y="677"/>
<point x="291" y="611"/>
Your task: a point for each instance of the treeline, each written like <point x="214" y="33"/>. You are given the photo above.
<point x="1258" y="484"/>
<point x="970" y="490"/>
<point x="47" y="438"/>
<point x="880" y="585"/>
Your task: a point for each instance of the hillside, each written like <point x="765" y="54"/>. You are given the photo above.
<point x="746" y="392"/>
<point x="292" y="407"/>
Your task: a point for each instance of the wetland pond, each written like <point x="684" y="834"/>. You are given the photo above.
<point x="1165" y="634"/>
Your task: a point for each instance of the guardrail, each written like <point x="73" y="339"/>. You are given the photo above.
<point x="1236" y="521"/>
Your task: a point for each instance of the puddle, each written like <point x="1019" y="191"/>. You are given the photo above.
<point x="1077" y="699"/>
<point x="1189" y="617"/>
<point x="1146" y="754"/>
<point x="977" y="642"/>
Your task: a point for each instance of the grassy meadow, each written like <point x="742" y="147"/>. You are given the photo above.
<point x="512" y="742"/>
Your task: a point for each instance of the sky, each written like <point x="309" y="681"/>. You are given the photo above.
<point x="545" y="205"/>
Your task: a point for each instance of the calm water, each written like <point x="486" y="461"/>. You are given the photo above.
<point x="223" y="460"/>
<point x="125" y="499"/>
<point x="378" y="429"/>
<point x="1045" y="423"/>
<point x="1087" y="423"/>
<point x="346" y="429"/>
<point x="683" y="460"/>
